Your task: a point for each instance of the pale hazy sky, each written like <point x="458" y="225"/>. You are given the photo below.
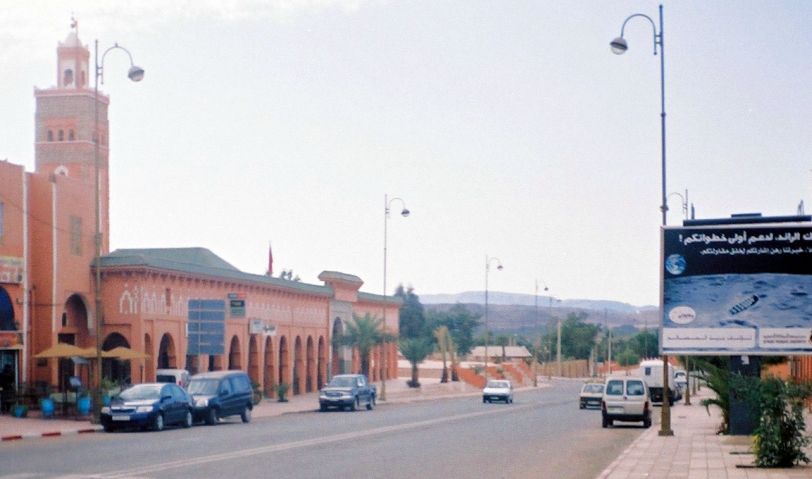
<point x="508" y="127"/>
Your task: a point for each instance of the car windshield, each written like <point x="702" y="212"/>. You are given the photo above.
<point x="141" y="392"/>
<point x="498" y="384"/>
<point x="342" y="382"/>
<point x="593" y="388"/>
<point x="203" y="387"/>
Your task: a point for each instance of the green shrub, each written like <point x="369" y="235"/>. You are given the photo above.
<point x="780" y="435"/>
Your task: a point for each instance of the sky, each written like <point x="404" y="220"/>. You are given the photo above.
<point x="508" y="129"/>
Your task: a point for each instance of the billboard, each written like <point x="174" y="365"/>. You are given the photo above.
<point x="206" y="327"/>
<point x="738" y="289"/>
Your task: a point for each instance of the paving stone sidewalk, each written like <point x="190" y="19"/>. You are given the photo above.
<point x="695" y="451"/>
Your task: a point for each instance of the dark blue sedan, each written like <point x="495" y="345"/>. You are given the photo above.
<point x="152" y="405"/>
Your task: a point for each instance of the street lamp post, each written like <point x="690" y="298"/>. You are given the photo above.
<point x="538" y="325"/>
<point x="135" y="74"/>
<point x="405" y="213"/>
<point x="488" y="261"/>
<point x="619" y="46"/>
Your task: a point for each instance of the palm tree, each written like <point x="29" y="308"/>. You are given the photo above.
<point x="364" y="333"/>
<point x="718" y="380"/>
<point x="441" y="335"/>
<point x="415" y="351"/>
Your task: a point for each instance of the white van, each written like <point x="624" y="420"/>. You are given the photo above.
<point x="625" y="399"/>
<point x="174" y="376"/>
<point x="651" y="370"/>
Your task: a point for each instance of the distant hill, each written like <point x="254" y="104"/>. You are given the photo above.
<point x="512" y="313"/>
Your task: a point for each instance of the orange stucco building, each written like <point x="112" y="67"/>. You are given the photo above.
<point x="278" y="330"/>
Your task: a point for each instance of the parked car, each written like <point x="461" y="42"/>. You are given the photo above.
<point x="625" y="399"/>
<point x="498" y="390"/>
<point x="348" y="391"/>
<point x="220" y="394"/>
<point x="591" y="395"/>
<point x="174" y="376"/>
<point x="150" y="405"/>
<point x="681" y="379"/>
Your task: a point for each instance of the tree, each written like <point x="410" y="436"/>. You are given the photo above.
<point x="461" y="324"/>
<point x="441" y="336"/>
<point x="577" y="337"/>
<point x="415" y="351"/>
<point x="412" y="315"/>
<point x="364" y="333"/>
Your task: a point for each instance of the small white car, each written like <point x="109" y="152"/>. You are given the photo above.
<point x="498" y="390"/>
<point x="591" y="395"/>
<point x="174" y="376"/>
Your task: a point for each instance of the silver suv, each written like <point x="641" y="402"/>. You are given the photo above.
<point x="625" y="399"/>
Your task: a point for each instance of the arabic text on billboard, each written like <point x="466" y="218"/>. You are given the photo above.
<point x="737" y="290"/>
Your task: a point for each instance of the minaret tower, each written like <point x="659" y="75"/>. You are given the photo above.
<point x="65" y="124"/>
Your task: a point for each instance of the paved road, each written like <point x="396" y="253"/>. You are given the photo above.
<point x="543" y="434"/>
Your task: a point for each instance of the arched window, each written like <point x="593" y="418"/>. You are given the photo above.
<point x="67" y="78"/>
<point x="50" y="135"/>
<point x="61" y="135"/>
<point x="70" y="135"/>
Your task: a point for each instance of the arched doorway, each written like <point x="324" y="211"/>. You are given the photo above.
<point x="7" y="321"/>
<point x="322" y="365"/>
<point x="310" y="365"/>
<point x="284" y="364"/>
<point x="166" y="353"/>
<point x="234" y="355"/>
<point x="341" y="356"/>
<point x="298" y="366"/>
<point x="269" y="379"/>
<point x="113" y="369"/>
<point x="9" y="360"/>
<point x="253" y="360"/>
<point x="75" y="314"/>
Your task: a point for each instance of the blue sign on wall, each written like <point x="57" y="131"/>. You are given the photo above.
<point x="206" y="326"/>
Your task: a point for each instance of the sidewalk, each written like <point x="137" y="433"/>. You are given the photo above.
<point x="695" y="451"/>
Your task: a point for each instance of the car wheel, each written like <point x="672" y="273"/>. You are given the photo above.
<point x="604" y="421"/>
<point x="371" y="403"/>
<point x="158" y="422"/>
<point x="108" y="428"/>
<point x="188" y="420"/>
<point x="484" y="400"/>
<point x="581" y="406"/>
<point x="211" y="417"/>
<point x="246" y="415"/>
<point x="322" y="407"/>
<point x="510" y="400"/>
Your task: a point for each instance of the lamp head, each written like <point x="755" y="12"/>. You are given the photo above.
<point x="499" y="267"/>
<point x="619" y="46"/>
<point x="136" y="73"/>
<point x="405" y="213"/>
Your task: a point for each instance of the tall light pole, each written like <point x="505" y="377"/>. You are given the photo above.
<point x="405" y="213"/>
<point x="538" y="325"/>
<point x="488" y="261"/>
<point x="619" y="46"/>
<point x="135" y="74"/>
<point x="684" y="201"/>
<point x="549" y="353"/>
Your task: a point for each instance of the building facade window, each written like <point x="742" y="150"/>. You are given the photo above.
<point x="61" y="135"/>
<point x="50" y="135"/>
<point x="70" y="135"/>
<point x="76" y="235"/>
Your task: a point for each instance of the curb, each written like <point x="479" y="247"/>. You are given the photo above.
<point x="17" y="437"/>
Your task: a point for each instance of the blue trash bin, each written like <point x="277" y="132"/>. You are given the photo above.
<point x="46" y="406"/>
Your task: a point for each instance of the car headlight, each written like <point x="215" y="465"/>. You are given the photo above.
<point x="202" y="402"/>
<point x="105" y="410"/>
<point x="143" y="409"/>
<point x="322" y="396"/>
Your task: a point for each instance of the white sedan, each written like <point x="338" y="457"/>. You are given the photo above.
<point x="498" y="390"/>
